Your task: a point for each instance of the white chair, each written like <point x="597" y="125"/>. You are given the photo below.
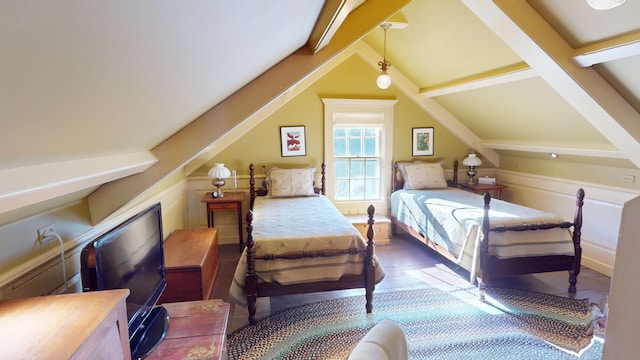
<point x="386" y="340"/>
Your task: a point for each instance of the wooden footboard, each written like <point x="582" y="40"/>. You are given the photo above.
<point x="492" y="266"/>
<point x="254" y="288"/>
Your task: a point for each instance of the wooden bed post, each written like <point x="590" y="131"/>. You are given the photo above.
<point x="577" y="233"/>
<point x="484" y="248"/>
<point x="394" y="177"/>
<point x="252" y="185"/>
<point x="370" y="266"/>
<point x="454" y="180"/>
<point x="251" y="285"/>
<point x="323" y="179"/>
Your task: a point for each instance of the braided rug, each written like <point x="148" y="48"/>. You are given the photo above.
<point x="454" y="324"/>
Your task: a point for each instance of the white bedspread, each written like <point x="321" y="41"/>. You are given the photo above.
<point x="301" y="224"/>
<point x="452" y="218"/>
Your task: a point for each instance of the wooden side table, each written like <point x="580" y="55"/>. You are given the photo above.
<point x="232" y="200"/>
<point x="481" y="189"/>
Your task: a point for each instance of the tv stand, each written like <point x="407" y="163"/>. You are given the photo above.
<point x="150" y="334"/>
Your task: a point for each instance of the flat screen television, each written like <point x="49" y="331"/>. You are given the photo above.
<point x="130" y="256"/>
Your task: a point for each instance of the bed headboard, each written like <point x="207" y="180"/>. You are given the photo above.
<point x="263" y="190"/>
<point x="397" y="181"/>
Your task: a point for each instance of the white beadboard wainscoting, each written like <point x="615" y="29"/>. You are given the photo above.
<point x="601" y="212"/>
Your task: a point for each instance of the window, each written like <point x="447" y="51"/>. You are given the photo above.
<point x="358" y="151"/>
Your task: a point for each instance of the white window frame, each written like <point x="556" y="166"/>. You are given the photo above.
<point x="353" y="111"/>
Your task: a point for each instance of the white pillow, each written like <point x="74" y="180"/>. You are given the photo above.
<point x="424" y="176"/>
<point x="401" y="166"/>
<point x="290" y="182"/>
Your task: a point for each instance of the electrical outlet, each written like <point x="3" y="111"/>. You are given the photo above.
<point x="41" y="231"/>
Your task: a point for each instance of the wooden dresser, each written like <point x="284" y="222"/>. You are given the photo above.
<point x="192" y="264"/>
<point x="91" y="325"/>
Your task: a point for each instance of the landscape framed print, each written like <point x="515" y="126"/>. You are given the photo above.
<point x="292" y="141"/>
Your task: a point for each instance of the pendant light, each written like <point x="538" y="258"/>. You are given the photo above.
<point x="605" y="4"/>
<point x="384" y="80"/>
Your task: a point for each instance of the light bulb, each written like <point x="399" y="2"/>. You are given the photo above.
<point x="384" y="81"/>
<point x="605" y="4"/>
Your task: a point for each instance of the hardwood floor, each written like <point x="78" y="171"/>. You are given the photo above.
<point x="408" y="264"/>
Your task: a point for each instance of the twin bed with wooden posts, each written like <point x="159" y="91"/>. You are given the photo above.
<point x="299" y="242"/>
<point x="489" y="238"/>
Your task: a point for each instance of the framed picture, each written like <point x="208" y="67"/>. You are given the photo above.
<point x="292" y="141"/>
<point x="422" y="143"/>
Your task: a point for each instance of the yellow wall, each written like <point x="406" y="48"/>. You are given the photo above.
<point x="261" y="145"/>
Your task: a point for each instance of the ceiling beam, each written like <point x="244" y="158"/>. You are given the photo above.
<point x="182" y="147"/>
<point x="608" y="50"/>
<point x="333" y="14"/>
<point x="540" y="46"/>
<point x="503" y="75"/>
<point x="28" y="185"/>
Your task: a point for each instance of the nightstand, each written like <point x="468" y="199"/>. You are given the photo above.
<point x="481" y="189"/>
<point x="232" y="201"/>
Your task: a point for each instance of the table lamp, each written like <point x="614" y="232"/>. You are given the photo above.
<point x="471" y="161"/>
<point x="218" y="173"/>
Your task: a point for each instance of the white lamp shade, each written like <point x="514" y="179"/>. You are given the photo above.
<point x="383" y="81"/>
<point x="218" y="171"/>
<point x="471" y="160"/>
<point x="604" y="4"/>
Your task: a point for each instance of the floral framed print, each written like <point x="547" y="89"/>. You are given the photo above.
<point x="422" y="143"/>
<point x="292" y="141"/>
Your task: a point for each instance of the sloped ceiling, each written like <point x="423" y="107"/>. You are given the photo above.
<point x="106" y="90"/>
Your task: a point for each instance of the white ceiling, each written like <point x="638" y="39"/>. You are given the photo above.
<point x="95" y="78"/>
<point x="100" y="87"/>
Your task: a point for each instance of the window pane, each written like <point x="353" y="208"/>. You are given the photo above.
<point x="342" y="169"/>
<point x="342" y="190"/>
<point x="372" y="189"/>
<point x="339" y="132"/>
<point x="356" y="188"/>
<point x="339" y="147"/>
<point x="371" y="132"/>
<point x="371" y="146"/>
<point x="372" y="169"/>
<point x="357" y="168"/>
<point x="355" y="132"/>
<point x="355" y="147"/>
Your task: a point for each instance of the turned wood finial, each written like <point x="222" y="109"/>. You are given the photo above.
<point x="323" y="179"/>
<point x="370" y="231"/>
<point x="455" y="174"/>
